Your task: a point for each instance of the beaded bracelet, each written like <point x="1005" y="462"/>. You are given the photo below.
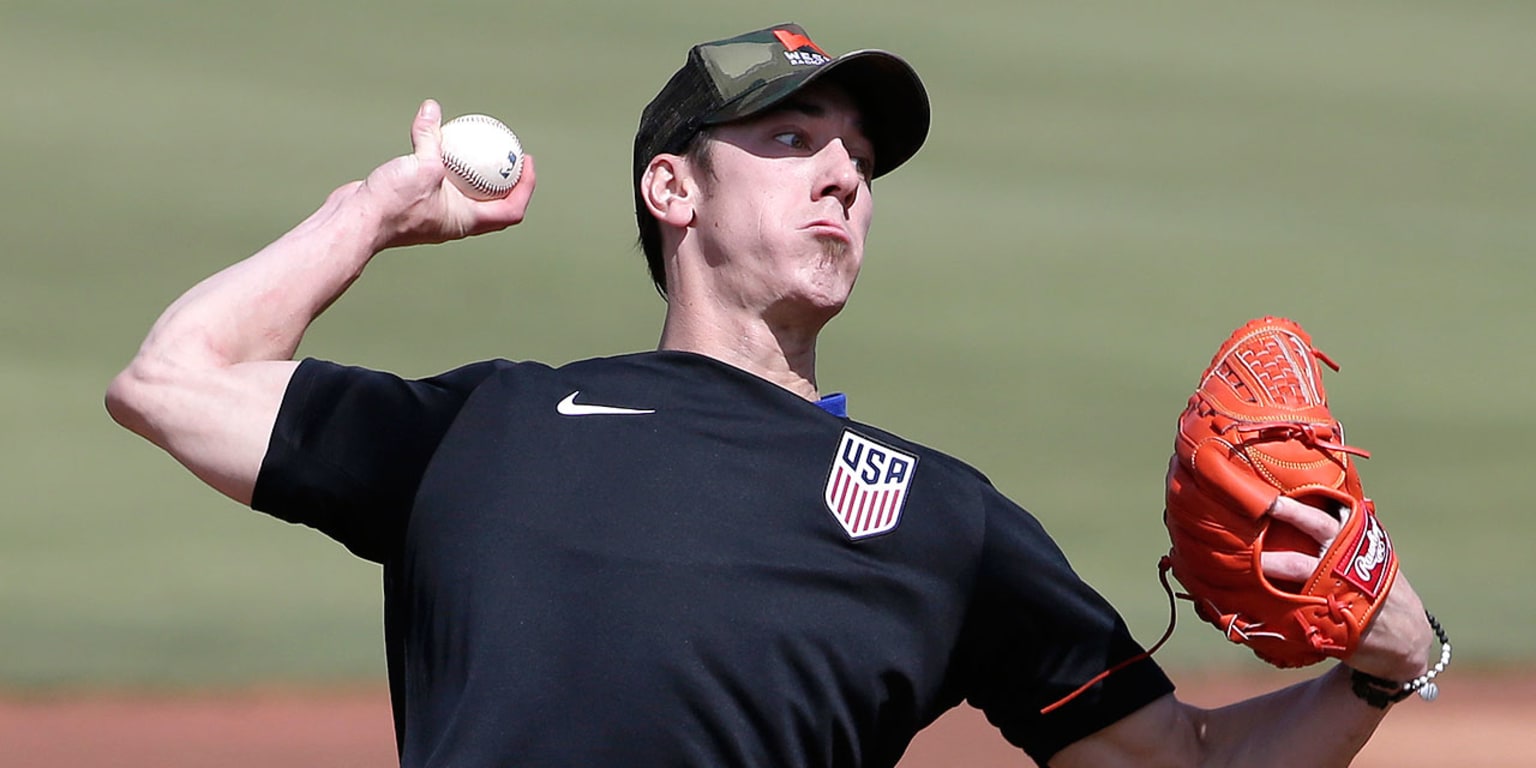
<point x="1379" y="692"/>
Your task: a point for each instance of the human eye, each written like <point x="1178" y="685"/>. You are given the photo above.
<point x="865" y="167"/>
<point x="792" y="139"/>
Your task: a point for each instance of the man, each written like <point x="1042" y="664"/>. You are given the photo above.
<point x="689" y="556"/>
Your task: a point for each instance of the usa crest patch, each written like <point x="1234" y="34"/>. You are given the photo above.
<point x="867" y="486"/>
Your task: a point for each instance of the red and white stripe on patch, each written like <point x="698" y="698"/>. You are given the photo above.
<point x="867" y="486"/>
<point x="1366" y="564"/>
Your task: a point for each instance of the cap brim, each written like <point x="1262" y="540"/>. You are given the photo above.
<point x="887" y="90"/>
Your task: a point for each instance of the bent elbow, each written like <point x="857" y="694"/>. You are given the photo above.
<point x="125" y="399"/>
<point x="132" y="396"/>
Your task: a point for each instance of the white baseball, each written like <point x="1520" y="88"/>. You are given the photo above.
<point x="483" y="156"/>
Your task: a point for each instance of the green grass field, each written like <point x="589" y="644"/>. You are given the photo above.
<point x="1109" y="188"/>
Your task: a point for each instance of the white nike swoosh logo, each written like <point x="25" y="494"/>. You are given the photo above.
<point x="569" y="407"/>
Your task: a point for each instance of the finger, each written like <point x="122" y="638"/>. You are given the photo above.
<point x="522" y="191"/>
<point x="503" y="212"/>
<point x="427" y="131"/>
<point x="1310" y="520"/>
<point x="1287" y="566"/>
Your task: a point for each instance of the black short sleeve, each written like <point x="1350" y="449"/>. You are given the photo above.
<point x="1038" y="633"/>
<point x="350" y="446"/>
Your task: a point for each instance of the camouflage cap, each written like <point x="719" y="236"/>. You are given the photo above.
<point x="730" y="79"/>
<point x="741" y="76"/>
<point x="737" y="77"/>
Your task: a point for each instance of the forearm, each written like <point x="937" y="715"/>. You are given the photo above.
<point x="1319" y="722"/>
<point x="258" y="309"/>
<point x="207" y="381"/>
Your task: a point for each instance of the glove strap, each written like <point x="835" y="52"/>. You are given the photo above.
<point x="1381" y="693"/>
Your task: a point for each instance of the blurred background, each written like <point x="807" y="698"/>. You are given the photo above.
<point x="1109" y="188"/>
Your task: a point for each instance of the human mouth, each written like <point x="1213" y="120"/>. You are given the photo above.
<point x="828" y="228"/>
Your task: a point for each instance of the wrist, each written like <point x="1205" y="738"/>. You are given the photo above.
<point x="362" y="217"/>
<point x="338" y="240"/>
<point x="1381" y="692"/>
<point x="1400" y="670"/>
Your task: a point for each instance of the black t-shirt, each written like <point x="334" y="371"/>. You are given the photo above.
<point x="660" y="560"/>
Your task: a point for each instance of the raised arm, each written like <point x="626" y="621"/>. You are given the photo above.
<point x="1319" y="722"/>
<point x="207" y="382"/>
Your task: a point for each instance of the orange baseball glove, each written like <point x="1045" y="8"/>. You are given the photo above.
<point x="1257" y="427"/>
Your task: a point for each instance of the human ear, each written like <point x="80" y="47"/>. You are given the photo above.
<point x="667" y="191"/>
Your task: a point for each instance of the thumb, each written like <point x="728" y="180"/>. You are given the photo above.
<point x="427" y="132"/>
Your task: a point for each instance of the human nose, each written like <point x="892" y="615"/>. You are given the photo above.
<point x="840" y="174"/>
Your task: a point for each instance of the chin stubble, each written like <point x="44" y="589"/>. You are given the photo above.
<point x="833" y="248"/>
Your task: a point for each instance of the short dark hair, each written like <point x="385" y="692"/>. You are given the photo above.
<point x="698" y="154"/>
<point x="735" y="78"/>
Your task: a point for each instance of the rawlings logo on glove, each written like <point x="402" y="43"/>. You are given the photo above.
<point x="1258" y="427"/>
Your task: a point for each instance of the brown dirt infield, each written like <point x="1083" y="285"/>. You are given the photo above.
<point x="1487" y="721"/>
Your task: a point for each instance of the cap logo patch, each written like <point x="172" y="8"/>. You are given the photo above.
<point x="867" y="486"/>
<point x="799" y="49"/>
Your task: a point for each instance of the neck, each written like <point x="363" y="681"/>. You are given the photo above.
<point x="784" y="354"/>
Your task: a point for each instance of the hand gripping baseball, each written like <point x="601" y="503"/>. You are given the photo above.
<point x="415" y="204"/>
